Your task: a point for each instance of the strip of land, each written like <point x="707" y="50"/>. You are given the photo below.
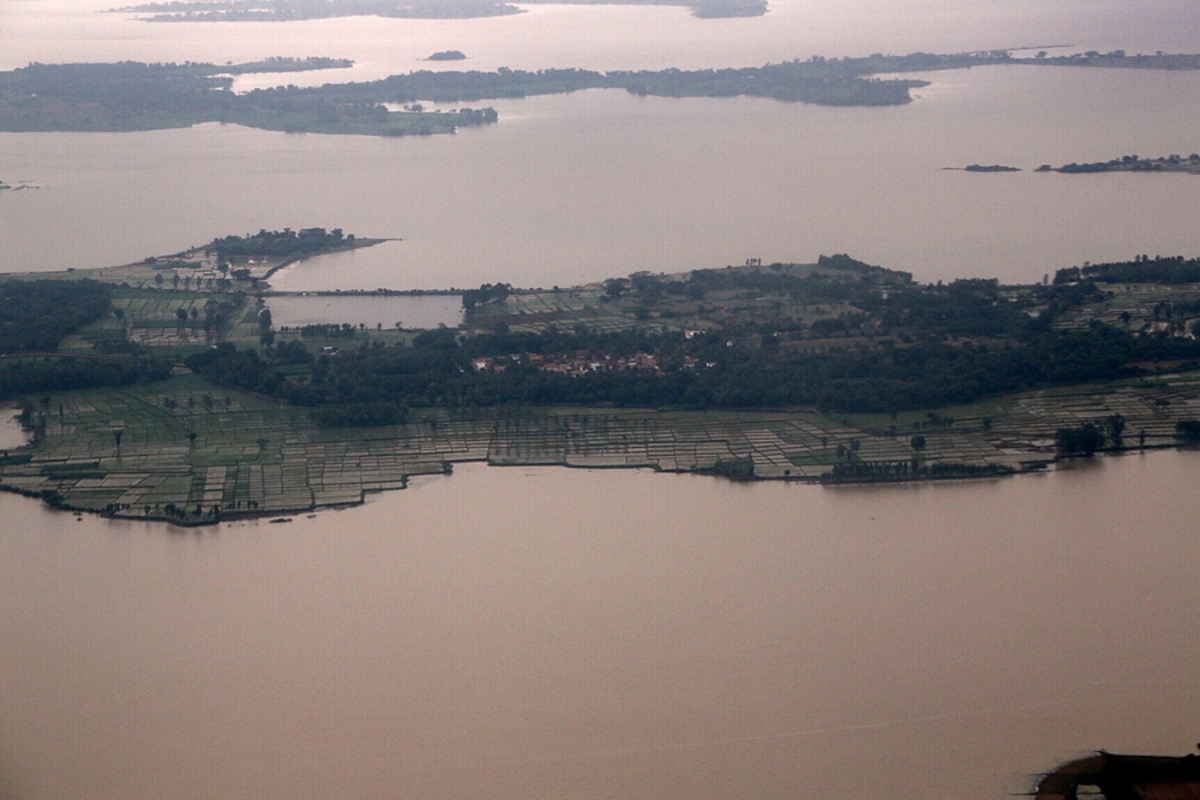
<point x="292" y="10"/>
<point x="162" y="390"/>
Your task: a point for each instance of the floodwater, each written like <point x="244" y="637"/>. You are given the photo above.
<point x="517" y="633"/>
<point x="551" y="633"/>
<point x="575" y="188"/>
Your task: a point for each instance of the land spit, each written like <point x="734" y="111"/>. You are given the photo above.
<point x="190" y="453"/>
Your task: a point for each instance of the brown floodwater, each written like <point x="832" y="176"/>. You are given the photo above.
<point x="517" y="633"/>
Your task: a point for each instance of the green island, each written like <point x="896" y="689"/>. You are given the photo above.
<point x="292" y="10"/>
<point x="1132" y="163"/>
<point x="163" y="389"/>
<point x="988" y="168"/>
<point x="130" y="96"/>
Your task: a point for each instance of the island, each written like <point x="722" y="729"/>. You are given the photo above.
<point x="130" y="96"/>
<point x="164" y="390"/>
<point x="1132" y="163"/>
<point x="447" y="55"/>
<point x="291" y="10"/>
<point x="989" y="168"/>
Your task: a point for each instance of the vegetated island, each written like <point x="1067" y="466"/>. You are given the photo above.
<point x="130" y="96"/>
<point x="1132" y="163"/>
<point x="164" y="390"/>
<point x="292" y="10"/>
<point x="987" y="168"/>
<point x="447" y="55"/>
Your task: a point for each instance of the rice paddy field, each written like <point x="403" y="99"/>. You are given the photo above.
<point x="188" y="452"/>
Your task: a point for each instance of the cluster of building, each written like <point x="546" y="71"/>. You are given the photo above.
<point x="579" y="363"/>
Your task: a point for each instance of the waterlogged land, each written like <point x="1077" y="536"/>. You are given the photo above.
<point x="688" y="372"/>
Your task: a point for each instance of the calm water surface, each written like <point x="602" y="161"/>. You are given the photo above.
<point x="386" y="312"/>
<point x="580" y="187"/>
<point x="516" y="633"/>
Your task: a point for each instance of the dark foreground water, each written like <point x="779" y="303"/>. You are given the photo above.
<point x="518" y="633"/>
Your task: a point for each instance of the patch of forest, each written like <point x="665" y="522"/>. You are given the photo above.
<point x="36" y="315"/>
<point x="1132" y="163"/>
<point x="130" y="96"/>
<point x="133" y="96"/>
<point x="32" y="376"/>
<point x="1142" y="269"/>
<point x="1003" y="350"/>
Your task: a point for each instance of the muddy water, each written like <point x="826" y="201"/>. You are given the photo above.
<point x="517" y="633"/>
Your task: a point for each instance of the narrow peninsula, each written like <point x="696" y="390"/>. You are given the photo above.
<point x="164" y="390"/>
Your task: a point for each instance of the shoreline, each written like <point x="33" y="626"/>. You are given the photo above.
<point x="21" y="466"/>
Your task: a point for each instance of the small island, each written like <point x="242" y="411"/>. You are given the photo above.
<point x="1132" y="163"/>
<point x="989" y="168"/>
<point x="164" y="390"/>
<point x="447" y="55"/>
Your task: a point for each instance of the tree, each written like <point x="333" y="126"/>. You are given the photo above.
<point x="1115" y="424"/>
<point x="182" y="313"/>
<point x="918" y="442"/>
<point x="1082" y="441"/>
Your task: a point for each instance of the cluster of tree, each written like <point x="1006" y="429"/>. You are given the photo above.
<point x="1086" y="439"/>
<point x="1142" y="269"/>
<point x="486" y="293"/>
<point x="1083" y="440"/>
<point x="283" y="244"/>
<point x="437" y="371"/>
<point x="738" y="468"/>
<point x="1188" y="431"/>
<point x="36" y="315"/>
<point x="906" y="470"/>
<point x="35" y="375"/>
<point x="130" y="96"/>
<point x="970" y="307"/>
<point x="288" y="64"/>
<point x="324" y="330"/>
<point x="292" y="10"/>
<point x="990" y="168"/>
